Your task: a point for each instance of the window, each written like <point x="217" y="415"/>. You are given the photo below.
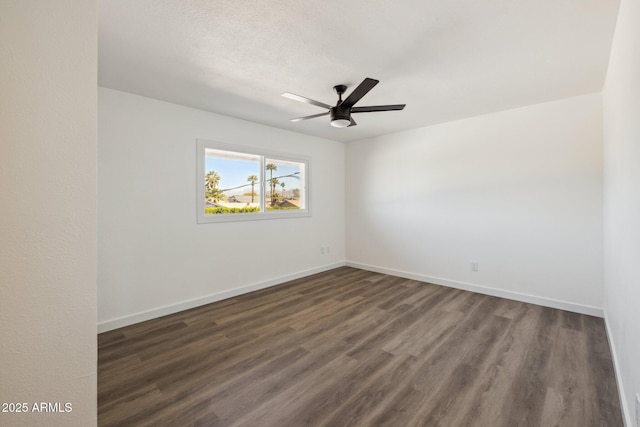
<point x="242" y="183"/>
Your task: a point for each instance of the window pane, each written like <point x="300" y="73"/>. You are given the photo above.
<point x="285" y="187"/>
<point x="232" y="182"/>
<point x="238" y="183"/>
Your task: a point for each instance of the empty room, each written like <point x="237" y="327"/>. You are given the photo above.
<point x="286" y="213"/>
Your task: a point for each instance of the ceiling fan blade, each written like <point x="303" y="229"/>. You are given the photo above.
<point x="377" y="108"/>
<point x="364" y="87"/>
<point x="353" y="122"/>
<point x="305" y="100"/>
<point x="299" y="119"/>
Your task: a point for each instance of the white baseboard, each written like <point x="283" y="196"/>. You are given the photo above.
<point x="626" y="414"/>
<point x="517" y="296"/>
<point x="131" y="319"/>
<point x="120" y="322"/>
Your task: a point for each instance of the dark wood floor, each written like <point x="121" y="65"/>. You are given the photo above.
<point x="355" y="348"/>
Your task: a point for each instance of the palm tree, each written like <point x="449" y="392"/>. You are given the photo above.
<point x="273" y="182"/>
<point x="252" y="179"/>
<point x="213" y="179"/>
<point x="282" y="184"/>
<point x="272" y="167"/>
<point x="212" y="192"/>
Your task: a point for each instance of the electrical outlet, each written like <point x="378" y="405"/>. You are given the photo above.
<point x="474" y="266"/>
<point x="322" y="250"/>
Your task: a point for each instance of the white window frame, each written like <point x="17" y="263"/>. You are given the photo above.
<point x="202" y="218"/>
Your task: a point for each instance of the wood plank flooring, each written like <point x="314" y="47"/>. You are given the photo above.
<point x="354" y="348"/>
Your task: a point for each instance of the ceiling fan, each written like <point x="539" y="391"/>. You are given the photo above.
<point x="341" y="113"/>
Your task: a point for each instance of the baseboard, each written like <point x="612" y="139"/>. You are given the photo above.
<point x="626" y="414"/>
<point x="517" y="296"/>
<point x="120" y="322"/>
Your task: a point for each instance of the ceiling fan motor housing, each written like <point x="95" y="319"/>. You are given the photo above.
<point x="338" y="113"/>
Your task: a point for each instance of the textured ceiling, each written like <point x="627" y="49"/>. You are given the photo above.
<point x="445" y="59"/>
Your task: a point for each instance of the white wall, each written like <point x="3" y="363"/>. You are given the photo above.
<point x="48" y="100"/>
<point x="622" y="202"/>
<point x="152" y="256"/>
<point x="519" y="191"/>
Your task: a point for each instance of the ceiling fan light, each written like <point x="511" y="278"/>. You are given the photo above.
<point x="340" y="123"/>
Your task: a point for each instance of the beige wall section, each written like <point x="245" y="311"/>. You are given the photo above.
<point x="48" y="198"/>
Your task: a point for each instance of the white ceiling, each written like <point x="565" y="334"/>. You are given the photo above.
<point x="446" y="59"/>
